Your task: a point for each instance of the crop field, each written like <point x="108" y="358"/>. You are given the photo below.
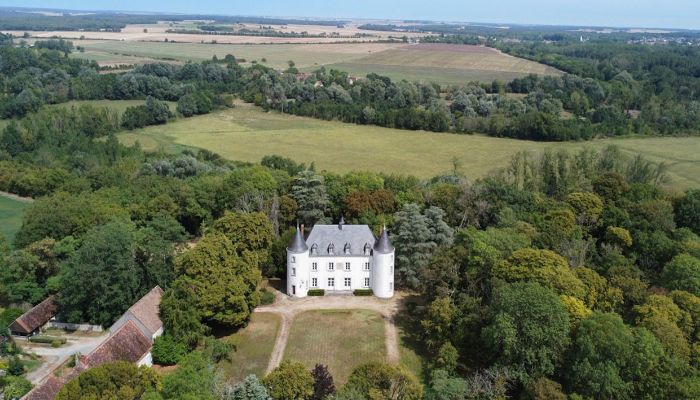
<point x="11" y="212"/>
<point x="247" y="133"/>
<point x="254" y="346"/>
<point x="341" y="339"/>
<point x="443" y="64"/>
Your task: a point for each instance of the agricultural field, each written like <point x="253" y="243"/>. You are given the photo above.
<point x="439" y="63"/>
<point x="247" y="133"/>
<point x="254" y="345"/>
<point x="11" y="213"/>
<point x="341" y="339"/>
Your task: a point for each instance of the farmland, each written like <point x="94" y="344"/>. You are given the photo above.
<point x="11" y="212"/>
<point x="341" y="339"/>
<point x="246" y="133"/>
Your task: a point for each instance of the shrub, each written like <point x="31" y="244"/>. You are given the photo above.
<point x="266" y="297"/>
<point x="56" y="343"/>
<point x="15" y="387"/>
<point x="167" y="351"/>
<point x="47" y="339"/>
<point x="363" y="292"/>
<point x="316" y="292"/>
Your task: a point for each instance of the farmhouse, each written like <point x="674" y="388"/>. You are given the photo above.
<point x="340" y="258"/>
<point x="36" y="318"/>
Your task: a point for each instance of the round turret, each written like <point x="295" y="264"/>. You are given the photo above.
<point x="383" y="267"/>
<point x="297" y="266"/>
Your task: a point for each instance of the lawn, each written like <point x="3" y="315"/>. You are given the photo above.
<point x="341" y="339"/>
<point x="246" y="133"/>
<point x="11" y="212"/>
<point x="253" y="349"/>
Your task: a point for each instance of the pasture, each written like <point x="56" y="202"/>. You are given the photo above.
<point x="247" y="133"/>
<point x="254" y="345"/>
<point x="11" y="213"/>
<point x="341" y="339"/>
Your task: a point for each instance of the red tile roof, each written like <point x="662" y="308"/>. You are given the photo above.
<point x="126" y="344"/>
<point x="145" y="313"/>
<point x="35" y="318"/>
<point x="47" y="390"/>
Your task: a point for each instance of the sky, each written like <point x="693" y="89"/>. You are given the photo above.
<point x="615" y="13"/>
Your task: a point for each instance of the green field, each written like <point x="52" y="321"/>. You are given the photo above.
<point x="341" y="339"/>
<point x="11" y="212"/>
<point x="253" y="347"/>
<point x="443" y="64"/>
<point x="247" y="133"/>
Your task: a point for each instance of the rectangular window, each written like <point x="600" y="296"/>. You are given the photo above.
<point x="294" y="272"/>
<point x="314" y="266"/>
<point x="330" y="266"/>
<point x="391" y="285"/>
<point x="392" y="269"/>
<point x="366" y="282"/>
<point x="331" y="282"/>
<point x="347" y="282"/>
<point x="314" y="282"/>
<point x="294" y="259"/>
<point x="347" y="266"/>
<point x="367" y="266"/>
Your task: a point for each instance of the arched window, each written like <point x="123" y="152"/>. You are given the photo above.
<point x="331" y="248"/>
<point x="346" y="249"/>
<point x="367" y="249"/>
<point x="314" y="249"/>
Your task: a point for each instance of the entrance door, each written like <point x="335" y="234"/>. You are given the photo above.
<point x="294" y="290"/>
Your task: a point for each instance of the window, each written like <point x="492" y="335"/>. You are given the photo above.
<point x="294" y="272"/>
<point x="294" y="259"/>
<point x="366" y="266"/>
<point x="314" y="266"/>
<point x="392" y="269"/>
<point x="347" y="266"/>
<point x="331" y="282"/>
<point x="366" y="282"/>
<point x="314" y="282"/>
<point x="391" y="285"/>
<point x="348" y="282"/>
<point x="330" y="266"/>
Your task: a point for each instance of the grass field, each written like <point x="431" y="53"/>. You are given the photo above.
<point x="247" y="133"/>
<point x="254" y="346"/>
<point x="11" y="212"/>
<point x="341" y="339"/>
<point x="443" y="64"/>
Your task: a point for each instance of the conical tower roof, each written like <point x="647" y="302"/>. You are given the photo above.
<point x="298" y="244"/>
<point x="383" y="245"/>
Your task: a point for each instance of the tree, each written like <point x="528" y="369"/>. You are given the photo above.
<point x="15" y="387"/>
<point x="323" y="382"/>
<point x="309" y="191"/>
<point x="688" y="211"/>
<point x="181" y="317"/>
<point x="443" y="386"/>
<point x="193" y="379"/>
<point x="250" y="389"/>
<point x="528" y="329"/>
<point x="116" y="380"/>
<point x="168" y="351"/>
<point x="291" y="380"/>
<point x="382" y="381"/>
<point x="224" y="283"/>
<point x="682" y="273"/>
<point x="249" y="233"/>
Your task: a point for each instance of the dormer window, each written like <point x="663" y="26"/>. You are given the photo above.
<point x="346" y="249"/>
<point x="367" y="249"/>
<point x="331" y="249"/>
<point x="314" y="249"/>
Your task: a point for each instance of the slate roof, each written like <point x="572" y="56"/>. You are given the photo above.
<point x="383" y="245"/>
<point x="144" y="313"/>
<point x="128" y="343"/>
<point x="298" y="245"/>
<point x="340" y="235"/>
<point x="35" y="318"/>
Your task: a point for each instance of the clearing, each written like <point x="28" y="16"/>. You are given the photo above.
<point x="254" y="346"/>
<point x="247" y="133"/>
<point x="11" y="213"/>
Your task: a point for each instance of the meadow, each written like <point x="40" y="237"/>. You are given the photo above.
<point x="247" y="133"/>
<point x="254" y="345"/>
<point x="439" y="63"/>
<point x="341" y="339"/>
<point x="11" y="213"/>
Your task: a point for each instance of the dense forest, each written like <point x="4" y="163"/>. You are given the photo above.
<point x="564" y="274"/>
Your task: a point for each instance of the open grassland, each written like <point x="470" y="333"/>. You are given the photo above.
<point x="341" y="339"/>
<point x="247" y="133"/>
<point x="440" y="63"/>
<point x="11" y="212"/>
<point x="254" y="346"/>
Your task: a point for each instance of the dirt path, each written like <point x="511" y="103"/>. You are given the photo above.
<point x="54" y="357"/>
<point x="288" y="308"/>
<point x="16" y="197"/>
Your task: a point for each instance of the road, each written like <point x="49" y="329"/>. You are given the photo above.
<point x="54" y="357"/>
<point x="287" y="308"/>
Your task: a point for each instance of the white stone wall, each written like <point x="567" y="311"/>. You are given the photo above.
<point x="298" y="274"/>
<point x="356" y="274"/>
<point x="383" y="275"/>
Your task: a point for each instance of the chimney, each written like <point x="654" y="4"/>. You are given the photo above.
<point x="302" y="229"/>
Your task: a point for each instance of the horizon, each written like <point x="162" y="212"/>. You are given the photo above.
<point x="675" y="14"/>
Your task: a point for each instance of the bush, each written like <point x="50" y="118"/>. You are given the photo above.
<point x="266" y="297"/>
<point x="14" y="387"/>
<point x="363" y="292"/>
<point x="56" y="343"/>
<point x="316" y="292"/>
<point x="47" y="340"/>
<point x="167" y="351"/>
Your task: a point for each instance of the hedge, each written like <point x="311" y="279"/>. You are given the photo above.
<point x="316" y="292"/>
<point x="47" y="339"/>
<point x="363" y="292"/>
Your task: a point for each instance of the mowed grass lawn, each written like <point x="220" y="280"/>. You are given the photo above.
<point x="253" y="349"/>
<point x="11" y="213"/>
<point x="247" y="133"/>
<point x="341" y="339"/>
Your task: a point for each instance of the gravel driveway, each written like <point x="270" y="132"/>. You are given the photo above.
<point x="54" y="357"/>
